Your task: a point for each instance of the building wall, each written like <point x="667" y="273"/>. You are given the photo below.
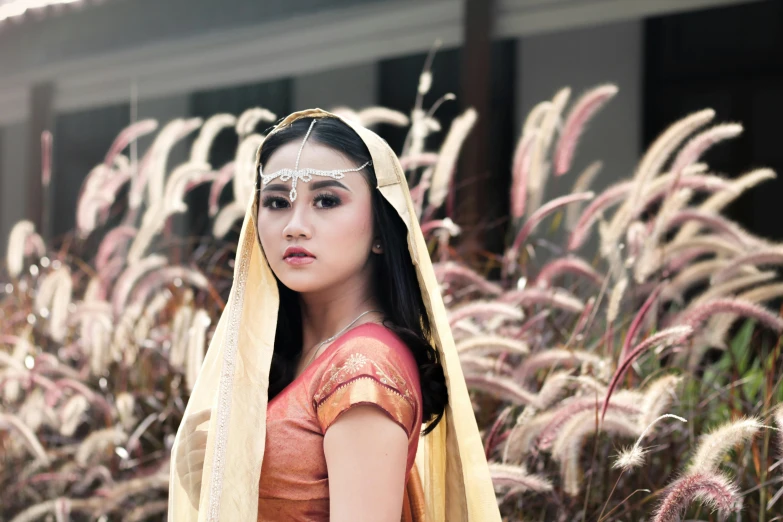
<point x="581" y="59"/>
<point x="354" y="86"/>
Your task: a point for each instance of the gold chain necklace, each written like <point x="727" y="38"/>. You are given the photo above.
<point x="332" y="338"/>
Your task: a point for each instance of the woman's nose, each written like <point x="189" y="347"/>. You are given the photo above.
<point x="298" y="225"/>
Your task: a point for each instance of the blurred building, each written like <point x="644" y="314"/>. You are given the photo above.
<point x="85" y="70"/>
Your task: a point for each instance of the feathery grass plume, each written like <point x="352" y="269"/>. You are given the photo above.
<point x="147" y="511"/>
<point x="582" y="184"/>
<point x="127" y="136"/>
<point x="479" y="365"/>
<point x="553" y="388"/>
<point x="526" y="430"/>
<point x="732" y="286"/>
<point x="661" y="187"/>
<point x="182" y="179"/>
<point x="702" y="142"/>
<point x="563" y="265"/>
<point x="717" y="202"/>
<point x="717" y="222"/>
<point x="625" y="403"/>
<point x="199" y="151"/>
<point x="16" y="241"/>
<point x="648" y="168"/>
<point x="615" y="298"/>
<point x="536" y="117"/>
<point x="707" y="243"/>
<point x="11" y="422"/>
<point x="97" y="441"/>
<point x="180" y="328"/>
<point x="556" y="297"/>
<point x="375" y="115"/>
<point x="111" y="242"/>
<point x="610" y="196"/>
<point x="178" y="275"/>
<point x="712" y="489"/>
<point x="484" y="309"/>
<point x="451" y="270"/>
<point x="713" y="446"/>
<point x="444" y="168"/>
<point x="53" y="298"/>
<point x="221" y="179"/>
<point x="690" y="276"/>
<point x="552" y="357"/>
<point x="131" y="275"/>
<point x="517" y="477"/>
<point x="648" y="261"/>
<point x="503" y="388"/>
<point x="658" y="396"/>
<point x="637" y="322"/>
<point x="491" y="345"/>
<point x="583" y="110"/>
<point x="762" y="293"/>
<point x="539" y="168"/>
<point x="765" y="256"/>
<point x="445" y="224"/>
<point x="519" y="173"/>
<point x="425" y="159"/>
<point x="72" y="414"/>
<point x="567" y="447"/>
<point x="245" y="173"/>
<point x="226" y="218"/>
<point x="633" y="457"/>
<point x="247" y="121"/>
<point x="125" y="404"/>
<point x="667" y="337"/>
<point x="538" y="215"/>
<point x="154" y="167"/>
<point x="696" y="315"/>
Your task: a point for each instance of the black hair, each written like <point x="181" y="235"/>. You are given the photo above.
<point x="395" y="284"/>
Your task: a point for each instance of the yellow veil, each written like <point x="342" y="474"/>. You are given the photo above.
<point x="235" y="374"/>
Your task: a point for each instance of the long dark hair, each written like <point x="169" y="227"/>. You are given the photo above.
<point x="395" y="285"/>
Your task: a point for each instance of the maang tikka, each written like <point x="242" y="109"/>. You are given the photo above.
<point x="304" y="174"/>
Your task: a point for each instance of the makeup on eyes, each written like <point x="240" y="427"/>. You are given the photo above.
<point x="329" y="199"/>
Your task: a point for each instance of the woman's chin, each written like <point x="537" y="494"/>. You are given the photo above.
<point x="303" y="283"/>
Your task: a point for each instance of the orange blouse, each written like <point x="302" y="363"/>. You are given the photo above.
<point x="368" y="364"/>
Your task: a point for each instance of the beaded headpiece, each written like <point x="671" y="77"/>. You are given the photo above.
<point x="305" y="174"/>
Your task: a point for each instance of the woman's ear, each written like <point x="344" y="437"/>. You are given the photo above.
<point x="377" y="247"/>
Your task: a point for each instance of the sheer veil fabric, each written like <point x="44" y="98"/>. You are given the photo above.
<point x="234" y="378"/>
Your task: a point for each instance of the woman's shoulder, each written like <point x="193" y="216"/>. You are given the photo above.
<point x="377" y="342"/>
<point x="373" y="350"/>
<point x="371" y="365"/>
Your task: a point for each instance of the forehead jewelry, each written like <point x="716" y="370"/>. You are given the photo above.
<point x="305" y="174"/>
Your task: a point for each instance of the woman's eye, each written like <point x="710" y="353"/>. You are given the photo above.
<point x="274" y="203"/>
<point x="326" y="201"/>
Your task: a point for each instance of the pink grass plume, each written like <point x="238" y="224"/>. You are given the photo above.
<point x="713" y="489"/>
<point x="584" y="109"/>
<point x="668" y="337"/>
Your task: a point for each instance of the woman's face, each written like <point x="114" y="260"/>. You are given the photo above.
<point x="331" y="219"/>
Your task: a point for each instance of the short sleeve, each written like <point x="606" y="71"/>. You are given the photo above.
<point x="365" y="371"/>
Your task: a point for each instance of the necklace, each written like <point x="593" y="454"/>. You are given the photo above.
<point x="332" y="338"/>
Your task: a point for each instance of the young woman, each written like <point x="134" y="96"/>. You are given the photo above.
<point x="331" y="354"/>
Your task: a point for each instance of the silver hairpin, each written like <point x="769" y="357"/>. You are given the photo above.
<point x="305" y="174"/>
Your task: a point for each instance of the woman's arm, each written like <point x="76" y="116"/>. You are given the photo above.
<point x="366" y="456"/>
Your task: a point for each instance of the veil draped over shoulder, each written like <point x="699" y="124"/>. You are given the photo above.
<point x="234" y="378"/>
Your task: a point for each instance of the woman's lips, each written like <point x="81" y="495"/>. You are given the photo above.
<point x="299" y="260"/>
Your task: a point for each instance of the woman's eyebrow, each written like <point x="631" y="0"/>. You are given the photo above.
<point x="276" y="187"/>
<point x="279" y="187"/>
<point x="327" y="183"/>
